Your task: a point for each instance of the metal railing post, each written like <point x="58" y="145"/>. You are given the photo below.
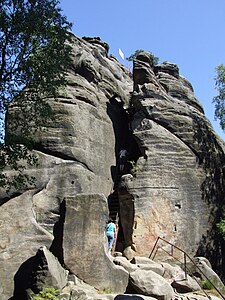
<point x="185" y="264"/>
<point x="154" y="247"/>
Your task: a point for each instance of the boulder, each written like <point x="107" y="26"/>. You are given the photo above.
<point x="145" y="263"/>
<point x="171" y="271"/>
<point x="185" y="284"/>
<point x="47" y="272"/>
<point x="85" y="243"/>
<point x="21" y="237"/>
<point x="56" y="276"/>
<point x="142" y="260"/>
<point x="155" y="267"/>
<point x="128" y="252"/>
<point x="151" y="284"/>
<point x="76" y="288"/>
<point x="125" y="263"/>
<point x="203" y="270"/>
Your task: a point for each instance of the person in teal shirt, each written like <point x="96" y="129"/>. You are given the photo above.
<point x="110" y="232"/>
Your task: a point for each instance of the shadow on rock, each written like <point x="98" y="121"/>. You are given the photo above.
<point x="127" y="297"/>
<point x="23" y="279"/>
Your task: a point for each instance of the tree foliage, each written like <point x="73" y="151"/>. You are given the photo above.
<point x="137" y="52"/>
<point x="219" y="100"/>
<point x="221" y="226"/>
<point x="34" y="56"/>
<point x="48" y="293"/>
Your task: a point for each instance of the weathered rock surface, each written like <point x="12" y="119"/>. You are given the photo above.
<point x="151" y="284"/>
<point x="125" y="263"/>
<point x="179" y="176"/>
<point x="185" y="284"/>
<point x="85" y="244"/>
<point x="175" y="191"/>
<point x="42" y="271"/>
<point x="21" y="237"/>
<point x="204" y="271"/>
<point x="75" y="155"/>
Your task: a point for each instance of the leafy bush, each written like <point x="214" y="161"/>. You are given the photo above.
<point x="48" y="293"/>
<point x="207" y="285"/>
<point x="134" y="167"/>
<point x="221" y="226"/>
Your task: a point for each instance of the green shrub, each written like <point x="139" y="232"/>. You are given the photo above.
<point x="221" y="226"/>
<point x="105" y="291"/>
<point x="134" y="168"/>
<point x="48" y="293"/>
<point x="207" y="285"/>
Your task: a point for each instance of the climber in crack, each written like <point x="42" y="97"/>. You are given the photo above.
<point x="111" y="234"/>
<point x="122" y="159"/>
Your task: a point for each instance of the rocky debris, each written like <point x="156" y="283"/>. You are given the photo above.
<point x="151" y="271"/>
<point x="147" y="284"/>
<point x="203" y="270"/>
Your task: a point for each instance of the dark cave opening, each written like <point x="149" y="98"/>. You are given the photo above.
<point x="57" y="244"/>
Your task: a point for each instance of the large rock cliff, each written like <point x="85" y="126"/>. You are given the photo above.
<point x="175" y="187"/>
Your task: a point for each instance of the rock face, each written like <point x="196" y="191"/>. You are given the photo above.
<point x="175" y="189"/>
<point x="42" y="270"/>
<point x="21" y="236"/>
<point x="85" y="247"/>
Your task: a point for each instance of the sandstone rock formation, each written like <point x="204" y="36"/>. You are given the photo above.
<point x="85" y="245"/>
<point x="175" y="191"/>
<point x="151" y="284"/>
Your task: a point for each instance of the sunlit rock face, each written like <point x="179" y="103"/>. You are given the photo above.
<point x="177" y="188"/>
<point x="176" y="192"/>
<point x="76" y="155"/>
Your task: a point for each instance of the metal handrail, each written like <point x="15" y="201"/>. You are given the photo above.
<point x="185" y="263"/>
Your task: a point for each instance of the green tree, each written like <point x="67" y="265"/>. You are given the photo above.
<point x="135" y="54"/>
<point x="219" y="100"/>
<point x="34" y="56"/>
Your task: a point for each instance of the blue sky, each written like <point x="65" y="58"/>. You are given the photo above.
<point x="189" y="33"/>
